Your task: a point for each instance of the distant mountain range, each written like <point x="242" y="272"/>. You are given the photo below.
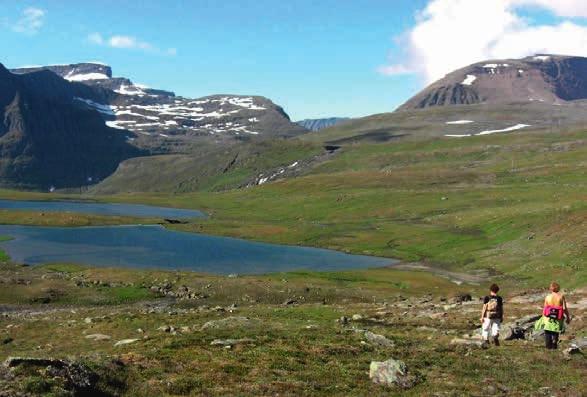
<point x="318" y="124"/>
<point x="71" y="125"/>
<point x="66" y="126"/>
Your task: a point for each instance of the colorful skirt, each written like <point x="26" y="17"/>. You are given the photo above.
<point x="550" y="324"/>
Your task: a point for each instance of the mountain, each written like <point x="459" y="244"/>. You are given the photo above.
<point x="48" y="140"/>
<point x="165" y="122"/>
<point x="551" y="79"/>
<point x="72" y="125"/>
<point x="538" y="93"/>
<point x="318" y="124"/>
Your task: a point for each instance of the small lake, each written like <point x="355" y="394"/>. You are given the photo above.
<point x="111" y="209"/>
<point x="157" y="247"/>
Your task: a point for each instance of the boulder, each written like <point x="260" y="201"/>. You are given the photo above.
<point x="98" y="337"/>
<point x="518" y="329"/>
<point x="80" y="378"/>
<point x="468" y="342"/>
<point x="570" y="351"/>
<point x="391" y="373"/>
<point x="125" y="342"/>
<point x="580" y="343"/>
<point x="378" y="340"/>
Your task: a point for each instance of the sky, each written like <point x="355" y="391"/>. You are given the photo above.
<point x="314" y="58"/>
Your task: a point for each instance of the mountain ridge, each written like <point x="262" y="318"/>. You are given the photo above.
<point x="554" y="79"/>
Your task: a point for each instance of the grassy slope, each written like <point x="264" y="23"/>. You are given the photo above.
<point x="514" y="203"/>
<point x="298" y="349"/>
<point x="431" y="122"/>
<point x="210" y="168"/>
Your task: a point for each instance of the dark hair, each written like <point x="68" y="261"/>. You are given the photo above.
<point x="494" y="288"/>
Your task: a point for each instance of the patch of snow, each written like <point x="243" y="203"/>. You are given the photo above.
<point x="129" y="90"/>
<point x="113" y="124"/>
<point x="253" y="120"/>
<point x="164" y="136"/>
<point x="458" y="136"/>
<point x="495" y="65"/>
<point x="513" y="128"/>
<point x="130" y="113"/>
<point x="171" y="122"/>
<point x="457" y="122"/>
<point x="72" y="76"/>
<point x="146" y="124"/>
<point x="96" y="63"/>
<point x="105" y="109"/>
<point x="293" y="165"/>
<point x="469" y="79"/>
<point x="520" y="71"/>
<point x="542" y="58"/>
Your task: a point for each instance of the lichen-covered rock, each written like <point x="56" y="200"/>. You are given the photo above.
<point x="391" y="373"/>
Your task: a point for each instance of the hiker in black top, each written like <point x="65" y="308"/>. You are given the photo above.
<point x="492" y="315"/>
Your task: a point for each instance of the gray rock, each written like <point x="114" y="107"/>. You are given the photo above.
<point x="390" y="373"/>
<point x="125" y="342"/>
<point x="231" y="342"/>
<point x="228" y="323"/>
<point x="570" y="351"/>
<point x="98" y="337"/>
<point x="357" y="317"/>
<point x="581" y="343"/>
<point x="378" y="340"/>
<point x="468" y="342"/>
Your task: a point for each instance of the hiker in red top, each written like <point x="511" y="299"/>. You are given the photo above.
<point x="492" y="315"/>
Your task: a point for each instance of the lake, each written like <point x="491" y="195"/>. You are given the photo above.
<point x="157" y="247"/>
<point x="111" y="209"/>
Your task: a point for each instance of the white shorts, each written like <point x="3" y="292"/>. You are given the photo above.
<point x="490" y="327"/>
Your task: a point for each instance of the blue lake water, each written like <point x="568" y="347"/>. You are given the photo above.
<point x="134" y="210"/>
<point x="157" y="247"/>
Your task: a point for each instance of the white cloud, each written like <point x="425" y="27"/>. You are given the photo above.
<point x="563" y="8"/>
<point x="30" y="22"/>
<point x="96" y="38"/>
<point x="450" y="34"/>
<point x="127" y="42"/>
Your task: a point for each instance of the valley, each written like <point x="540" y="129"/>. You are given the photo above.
<point x="461" y="194"/>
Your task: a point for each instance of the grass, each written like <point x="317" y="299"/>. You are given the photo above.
<point x="515" y="204"/>
<point x="298" y="349"/>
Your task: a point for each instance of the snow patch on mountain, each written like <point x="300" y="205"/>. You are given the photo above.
<point x="469" y="80"/>
<point x="513" y="128"/>
<point x="457" y="122"/>
<point x="72" y="76"/>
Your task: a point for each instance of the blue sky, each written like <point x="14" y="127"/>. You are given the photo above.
<point x="314" y="58"/>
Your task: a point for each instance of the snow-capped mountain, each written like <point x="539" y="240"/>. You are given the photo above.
<point x="72" y="125"/>
<point x="162" y="114"/>
<point x="551" y="79"/>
